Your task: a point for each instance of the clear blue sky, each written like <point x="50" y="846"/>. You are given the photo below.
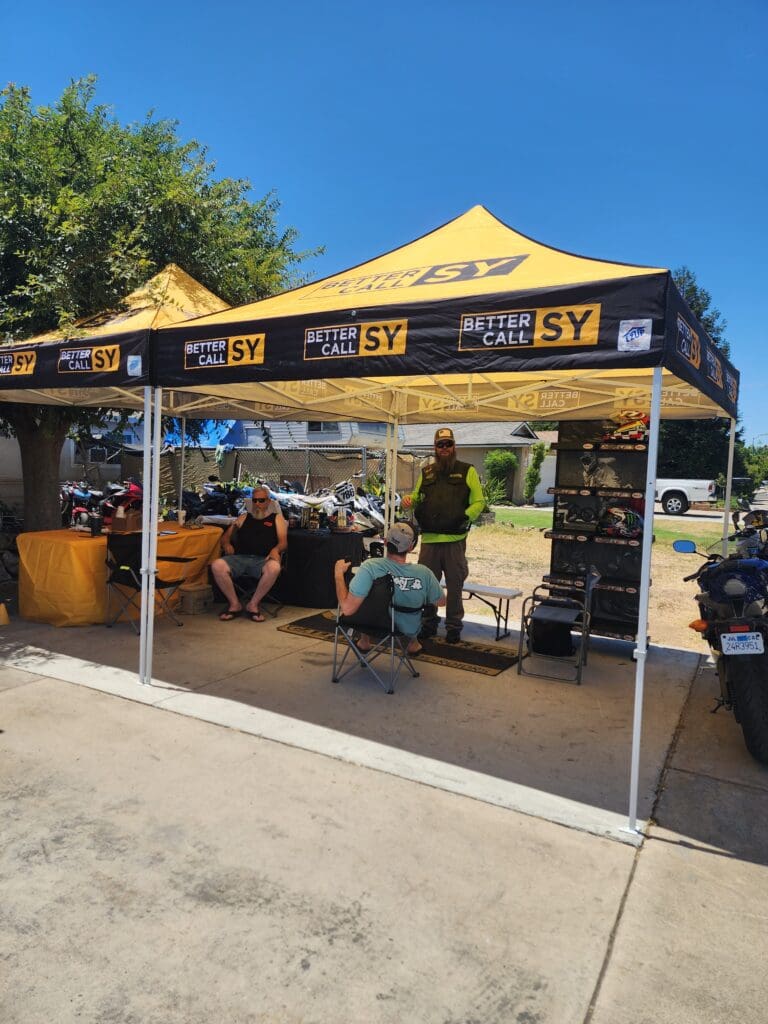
<point x="632" y="132"/>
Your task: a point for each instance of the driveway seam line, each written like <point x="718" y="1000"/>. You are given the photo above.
<point x="666" y="768"/>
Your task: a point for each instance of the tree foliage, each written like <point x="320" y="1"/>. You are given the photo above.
<point x="90" y="209"/>
<point x="499" y="465"/>
<point x="533" y="473"/>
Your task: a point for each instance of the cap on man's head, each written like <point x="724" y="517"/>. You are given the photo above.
<point x="443" y="434"/>
<point x="401" y="537"/>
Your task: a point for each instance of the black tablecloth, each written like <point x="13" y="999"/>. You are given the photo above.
<point x="307" y="576"/>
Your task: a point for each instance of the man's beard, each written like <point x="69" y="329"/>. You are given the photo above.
<point x="260" y="510"/>
<point x="445" y="465"/>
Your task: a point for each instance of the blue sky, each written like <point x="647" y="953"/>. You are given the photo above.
<point x="633" y="132"/>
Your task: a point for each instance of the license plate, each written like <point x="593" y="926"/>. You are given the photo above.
<point x="742" y="643"/>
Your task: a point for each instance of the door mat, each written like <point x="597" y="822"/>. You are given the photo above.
<point x="484" y="658"/>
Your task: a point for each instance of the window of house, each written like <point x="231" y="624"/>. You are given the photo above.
<point x="253" y="437"/>
<point x="321" y="427"/>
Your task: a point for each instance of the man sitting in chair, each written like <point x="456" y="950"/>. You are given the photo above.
<point x="252" y="547"/>
<point x="415" y="585"/>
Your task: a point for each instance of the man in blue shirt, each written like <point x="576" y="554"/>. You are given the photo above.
<point x="415" y="585"/>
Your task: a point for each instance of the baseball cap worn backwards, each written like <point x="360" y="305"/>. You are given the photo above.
<point x="443" y="434"/>
<point x="401" y="537"/>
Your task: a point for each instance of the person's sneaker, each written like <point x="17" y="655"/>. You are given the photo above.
<point x="427" y="632"/>
<point x="452" y="636"/>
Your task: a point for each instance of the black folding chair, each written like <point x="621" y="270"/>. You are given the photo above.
<point x="124" y="580"/>
<point x="245" y="588"/>
<point x="376" y="619"/>
<point x="550" y="615"/>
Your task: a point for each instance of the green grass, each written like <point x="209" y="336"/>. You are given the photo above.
<point x="704" y="534"/>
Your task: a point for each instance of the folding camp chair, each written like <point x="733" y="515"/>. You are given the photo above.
<point x="376" y="619"/>
<point x="245" y="588"/>
<point x="550" y="615"/>
<point x="124" y="580"/>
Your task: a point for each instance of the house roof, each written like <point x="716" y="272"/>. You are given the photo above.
<point x="483" y="434"/>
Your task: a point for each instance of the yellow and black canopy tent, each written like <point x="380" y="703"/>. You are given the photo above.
<point x="103" y="359"/>
<point x="472" y="321"/>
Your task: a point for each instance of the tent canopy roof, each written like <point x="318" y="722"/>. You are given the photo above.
<point x="470" y="322"/>
<point x="169" y="297"/>
<point x="475" y="254"/>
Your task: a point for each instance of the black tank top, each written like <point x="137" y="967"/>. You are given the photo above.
<point x="256" y="536"/>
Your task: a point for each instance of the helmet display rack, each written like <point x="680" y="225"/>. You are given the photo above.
<point x="598" y="518"/>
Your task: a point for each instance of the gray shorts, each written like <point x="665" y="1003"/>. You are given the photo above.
<point x="245" y="565"/>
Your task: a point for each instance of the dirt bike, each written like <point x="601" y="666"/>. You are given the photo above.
<point x="733" y="605"/>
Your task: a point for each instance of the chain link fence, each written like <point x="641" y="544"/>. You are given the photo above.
<point x="309" y="468"/>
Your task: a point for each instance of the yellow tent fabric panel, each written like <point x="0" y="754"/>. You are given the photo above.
<point x="587" y="394"/>
<point x="475" y="254"/>
<point x="169" y="297"/>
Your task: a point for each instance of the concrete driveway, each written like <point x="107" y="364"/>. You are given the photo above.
<point x="157" y="867"/>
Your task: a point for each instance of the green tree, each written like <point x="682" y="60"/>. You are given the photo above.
<point x="698" y="448"/>
<point x="533" y="473"/>
<point x="89" y="210"/>
<point x="500" y="465"/>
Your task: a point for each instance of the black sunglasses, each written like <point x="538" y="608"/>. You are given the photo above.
<point x="261" y="500"/>
<point x="444" y="444"/>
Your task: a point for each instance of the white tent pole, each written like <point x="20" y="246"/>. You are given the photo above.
<point x="393" y="471"/>
<point x="181" y="470"/>
<point x="154" y="512"/>
<point x="146" y="488"/>
<point x="641" y="650"/>
<point x="387" y="470"/>
<point x="728" y="487"/>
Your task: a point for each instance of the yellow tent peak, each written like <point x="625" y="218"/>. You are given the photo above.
<point x="475" y="254"/>
<point x="170" y="296"/>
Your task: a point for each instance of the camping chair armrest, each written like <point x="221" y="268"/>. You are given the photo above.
<point x="554" y="593"/>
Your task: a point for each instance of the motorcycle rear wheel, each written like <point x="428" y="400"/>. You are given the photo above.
<point x="748" y="679"/>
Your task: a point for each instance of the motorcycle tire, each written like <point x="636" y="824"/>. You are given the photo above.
<point x="748" y="682"/>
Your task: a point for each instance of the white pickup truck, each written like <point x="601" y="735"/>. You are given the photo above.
<point x="677" y="496"/>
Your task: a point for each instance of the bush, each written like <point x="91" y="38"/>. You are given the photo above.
<point x="494" y="493"/>
<point x="533" y="473"/>
<point x="499" y="465"/>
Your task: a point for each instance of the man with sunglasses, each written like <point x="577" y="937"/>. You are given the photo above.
<point x="447" y="499"/>
<point x="252" y="546"/>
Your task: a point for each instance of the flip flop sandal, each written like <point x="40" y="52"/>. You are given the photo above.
<point x="229" y="615"/>
<point x="256" y="617"/>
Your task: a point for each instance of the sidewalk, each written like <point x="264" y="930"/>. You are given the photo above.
<point x="159" y="868"/>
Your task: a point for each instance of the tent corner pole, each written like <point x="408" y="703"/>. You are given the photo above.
<point x="146" y="484"/>
<point x="728" y="486"/>
<point x="154" y="511"/>
<point x="181" y="468"/>
<point x="641" y="649"/>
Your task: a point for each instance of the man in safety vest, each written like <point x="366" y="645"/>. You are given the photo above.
<point x="447" y="499"/>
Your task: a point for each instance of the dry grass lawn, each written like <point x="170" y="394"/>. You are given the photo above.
<point x="503" y="555"/>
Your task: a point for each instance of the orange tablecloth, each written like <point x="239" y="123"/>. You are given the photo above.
<point x="63" y="573"/>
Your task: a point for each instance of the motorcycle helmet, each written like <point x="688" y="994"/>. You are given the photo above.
<point x="617" y="521"/>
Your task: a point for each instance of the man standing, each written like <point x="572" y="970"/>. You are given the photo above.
<point x="447" y="499"/>
<point x="415" y="586"/>
<point x="252" y="546"/>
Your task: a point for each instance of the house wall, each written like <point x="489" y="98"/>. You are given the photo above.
<point x="547" y="480"/>
<point x="12" y="487"/>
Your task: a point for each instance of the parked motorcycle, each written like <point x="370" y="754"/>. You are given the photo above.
<point x="78" y="501"/>
<point x="128" y="495"/>
<point x="733" y="605"/>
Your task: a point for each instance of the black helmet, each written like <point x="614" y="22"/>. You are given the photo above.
<point x="618" y="521"/>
